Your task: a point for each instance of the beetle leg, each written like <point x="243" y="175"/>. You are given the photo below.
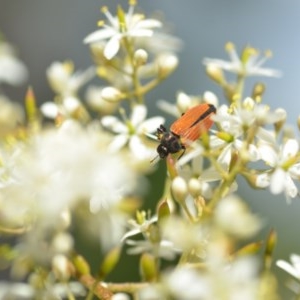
<point x="183" y="151"/>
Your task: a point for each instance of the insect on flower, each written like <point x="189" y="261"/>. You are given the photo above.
<point x="188" y="128"/>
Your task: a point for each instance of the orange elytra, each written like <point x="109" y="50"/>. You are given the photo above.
<point x="188" y="128"/>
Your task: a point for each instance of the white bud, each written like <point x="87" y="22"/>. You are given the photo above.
<point x="71" y="104"/>
<point x="120" y="296"/>
<point x="183" y="102"/>
<point x="62" y="242"/>
<point x="111" y="94"/>
<point x="194" y="187"/>
<point x="233" y="216"/>
<point x="60" y="265"/>
<point x="179" y="189"/>
<point x="211" y="98"/>
<point x="140" y="57"/>
<point x="65" y="219"/>
<point x="166" y="63"/>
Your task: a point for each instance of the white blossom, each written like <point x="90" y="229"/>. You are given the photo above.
<point x="64" y="81"/>
<point x="285" y="167"/>
<point x="133" y="132"/>
<point x="12" y="70"/>
<point x="61" y="167"/>
<point x="249" y="64"/>
<point x="135" y="26"/>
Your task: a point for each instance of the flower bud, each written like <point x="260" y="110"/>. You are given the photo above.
<point x="183" y="102"/>
<point x="166" y="63"/>
<point x="211" y="98"/>
<point x="110" y="261"/>
<point x="179" y="189"/>
<point x="111" y="94"/>
<point x="194" y="187"/>
<point x="140" y="57"/>
<point x="282" y="118"/>
<point x="215" y="73"/>
<point x="258" y="91"/>
<point x="61" y="267"/>
<point x="81" y="265"/>
<point x="148" y="267"/>
<point x="163" y="210"/>
<point x="120" y="296"/>
<point x="62" y="242"/>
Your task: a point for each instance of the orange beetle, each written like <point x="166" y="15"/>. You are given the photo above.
<point x="188" y="128"/>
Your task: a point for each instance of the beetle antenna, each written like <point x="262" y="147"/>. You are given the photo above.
<point x="154" y="159"/>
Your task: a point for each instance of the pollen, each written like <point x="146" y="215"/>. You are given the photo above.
<point x="100" y="23"/>
<point x="104" y="9"/>
<point x="268" y="53"/>
<point x="229" y="47"/>
<point x="132" y="2"/>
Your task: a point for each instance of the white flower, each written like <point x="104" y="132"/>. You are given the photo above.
<point x="185" y="101"/>
<point x="64" y="81"/>
<point x="68" y="107"/>
<point x="121" y="26"/>
<point x="285" y="166"/>
<point x="133" y="132"/>
<point x="234" y="217"/>
<point x="186" y="237"/>
<point x="60" y="168"/>
<point x="19" y="290"/>
<point x="232" y="127"/>
<point x="249" y="64"/>
<point x="164" y="249"/>
<point x="12" y="70"/>
<point x="142" y="225"/>
<point x="292" y="268"/>
<point x="235" y="281"/>
<point x="187" y="283"/>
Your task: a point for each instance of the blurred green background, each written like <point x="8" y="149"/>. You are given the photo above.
<point x="45" y="31"/>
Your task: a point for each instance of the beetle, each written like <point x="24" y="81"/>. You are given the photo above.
<point x="188" y="128"/>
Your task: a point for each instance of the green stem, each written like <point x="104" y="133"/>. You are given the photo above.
<point x="239" y="88"/>
<point x="134" y="76"/>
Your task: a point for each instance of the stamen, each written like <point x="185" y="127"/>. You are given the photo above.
<point x="100" y="23"/>
<point x="230" y="49"/>
<point x="108" y="15"/>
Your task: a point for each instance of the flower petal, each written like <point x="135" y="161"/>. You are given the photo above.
<point x="148" y="23"/>
<point x="277" y="181"/>
<point x="118" y="143"/>
<point x="290" y="187"/>
<point x="168" y="108"/>
<point x="114" y="124"/>
<point x="12" y="70"/>
<point x="99" y="35"/>
<point x="268" y="154"/>
<point x="112" y="47"/>
<point x="140" y="149"/>
<point x="262" y="180"/>
<point x="290" y="148"/>
<point x="140" y="32"/>
<point x="49" y="110"/>
<point x="288" y="268"/>
<point x="151" y="125"/>
<point x="138" y="115"/>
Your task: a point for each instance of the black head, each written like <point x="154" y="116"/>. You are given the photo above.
<point x="169" y="143"/>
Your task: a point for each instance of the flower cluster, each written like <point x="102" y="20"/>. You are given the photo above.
<point x="76" y="174"/>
